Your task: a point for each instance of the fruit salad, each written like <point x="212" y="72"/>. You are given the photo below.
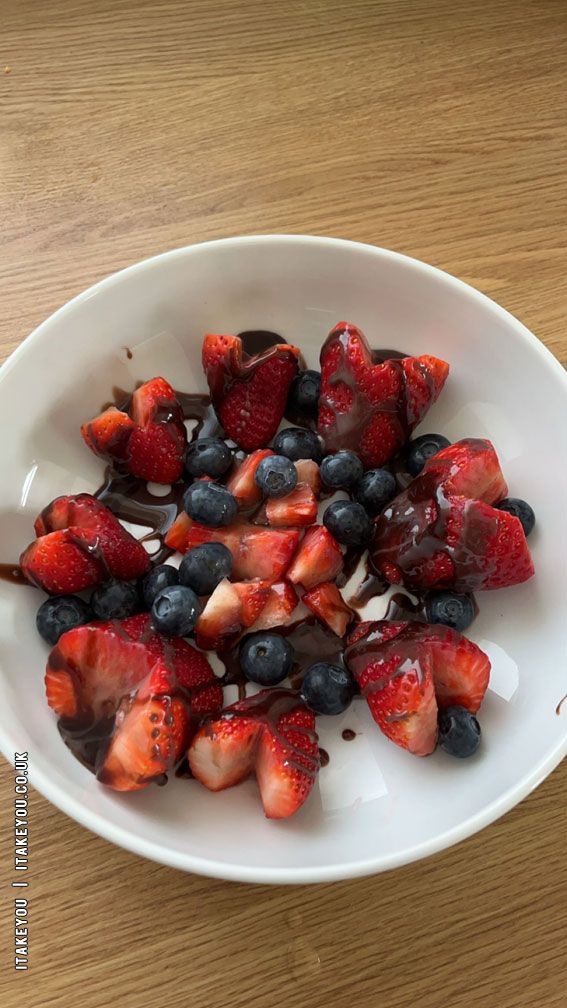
<point x="291" y="480"/>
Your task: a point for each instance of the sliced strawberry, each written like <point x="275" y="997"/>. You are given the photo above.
<point x="319" y="558"/>
<point x="460" y="669"/>
<point x="257" y="552"/>
<point x="469" y="468"/>
<point x="151" y="731"/>
<point x="402" y="702"/>
<point x="64" y="562"/>
<point x="280" y="605"/>
<point x="249" y="393"/>
<point x="428" y="537"/>
<point x="150" y="442"/>
<point x="308" y="472"/>
<point x="242" y="483"/>
<point x="298" y="508"/>
<point x="271" y="733"/>
<point x="108" y="434"/>
<point x="230" y="609"/>
<point x="326" y="601"/>
<point x="121" y="555"/>
<point x="372" y="408"/>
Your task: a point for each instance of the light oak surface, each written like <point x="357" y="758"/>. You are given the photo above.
<point x="436" y="128"/>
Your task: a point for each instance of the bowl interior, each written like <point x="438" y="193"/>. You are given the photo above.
<point x="375" y="806"/>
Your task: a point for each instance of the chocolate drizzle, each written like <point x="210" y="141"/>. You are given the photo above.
<point x="12" y="574"/>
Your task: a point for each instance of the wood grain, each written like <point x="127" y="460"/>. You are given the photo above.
<point x="128" y="127"/>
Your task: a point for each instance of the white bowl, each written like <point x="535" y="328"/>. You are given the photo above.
<point x="375" y="806"/>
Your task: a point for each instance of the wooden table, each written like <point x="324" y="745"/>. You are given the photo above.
<point x="436" y="128"/>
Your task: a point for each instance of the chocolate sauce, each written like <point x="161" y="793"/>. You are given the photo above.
<point x="12" y="574"/>
<point x="130" y="500"/>
<point x="128" y="352"/>
<point x="183" y="769"/>
<point x="348" y="734"/>
<point x="379" y="356"/>
<point x="375" y="644"/>
<point x="255" y="341"/>
<point x="372" y="586"/>
<point x="86" y="739"/>
<point x="323" y="757"/>
<point x="560" y="704"/>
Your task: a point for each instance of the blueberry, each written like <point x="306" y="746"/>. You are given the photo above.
<point x="423" y="448"/>
<point x="348" y="522"/>
<point x="341" y="470"/>
<point x="297" y="443"/>
<point x="175" y="611"/>
<point x="204" y="567"/>
<point x="304" y="393"/>
<point x="207" y="457"/>
<point x="375" y="490"/>
<point x="266" y="658"/>
<point x="459" y="732"/>
<point x="327" y="689"/>
<point x="521" y="509"/>
<point x="57" y="615"/>
<point x="115" y="600"/>
<point x="451" y="608"/>
<point x="276" y="476"/>
<point x="157" y="578"/>
<point x="210" y="503"/>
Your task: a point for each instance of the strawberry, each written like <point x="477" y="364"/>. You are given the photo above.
<point x="469" y="468"/>
<point x="271" y="734"/>
<point x="372" y="408"/>
<point x="257" y="552"/>
<point x="428" y="537"/>
<point x="248" y="393"/>
<point x="459" y="668"/>
<point x="279" y="607"/>
<point x="151" y="731"/>
<point x="298" y="508"/>
<point x="308" y="472"/>
<point x="92" y="667"/>
<point x="230" y="609"/>
<point x="121" y="555"/>
<point x="150" y="442"/>
<point x="319" y="558"/>
<point x="402" y="702"/>
<point x="64" y="562"/>
<point x="242" y="484"/>
<point x="326" y="601"/>
<point x="108" y="434"/>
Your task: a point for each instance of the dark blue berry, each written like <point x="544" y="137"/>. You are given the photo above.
<point x="204" y="567"/>
<point x="375" y="490"/>
<point x="327" y="689"/>
<point x="341" y="470"/>
<point x="208" y="457"/>
<point x="155" y="580"/>
<point x="348" y="522"/>
<point x="459" y="732"/>
<point x="450" y="608"/>
<point x="423" y="448"/>
<point x="115" y="600"/>
<point x="276" y="476"/>
<point x="521" y="509"/>
<point x="210" y="503"/>
<point x="175" y="611"/>
<point x="266" y="658"/>
<point x="304" y="393"/>
<point x="57" y="615"/>
<point x="297" y="443"/>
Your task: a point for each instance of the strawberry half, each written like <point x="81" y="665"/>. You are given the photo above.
<point x="298" y="508"/>
<point x="151" y="731"/>
<point x="280" y="605"/>
<point x="257" y="552"/>
<point x="319" y="558"/>
<point x="326" y="601"/>
<point x="430" y="536"/>
<point x="120" y="554"/>
<point x="150" y="441"/>
<point x="230" y="609"/>
<point x="64" y="562"/>
<point x="242" y="484"/>
<point x="249" y="393"/>
<point x="272" y="734"/>
<point x="372" y="408"/>
<point x="459" y="668"/>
